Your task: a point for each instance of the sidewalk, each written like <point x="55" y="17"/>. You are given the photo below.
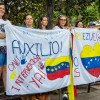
<point x="81" y="90"/>
<point x="94" y="93"/>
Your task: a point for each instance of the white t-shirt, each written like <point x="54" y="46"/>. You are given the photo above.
<point x="3" y="22"/>
<point x="57" y="27"/>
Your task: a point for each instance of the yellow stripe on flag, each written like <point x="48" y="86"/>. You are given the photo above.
<point x="88" y="51"/>
<point x="53" y="62"/>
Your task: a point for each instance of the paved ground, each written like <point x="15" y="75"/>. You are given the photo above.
<point x="81" y="90"/>
<point x="94" y="93"/>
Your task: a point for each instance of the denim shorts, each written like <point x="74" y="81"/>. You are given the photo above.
<point x="3" y="59"/>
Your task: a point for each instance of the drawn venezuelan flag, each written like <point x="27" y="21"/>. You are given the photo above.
<point x="57" y="68"/>
<point x="91" y="59"/>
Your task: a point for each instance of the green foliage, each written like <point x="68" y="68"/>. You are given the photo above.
<point x="19" y="8"/>
<point x="85" y="10"/>
<point x="87" y="13"/>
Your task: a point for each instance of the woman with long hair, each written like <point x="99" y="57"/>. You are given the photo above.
<point x="61" y="22"/>
<point x="43" y="23"/>
<point x="3" y="55"/>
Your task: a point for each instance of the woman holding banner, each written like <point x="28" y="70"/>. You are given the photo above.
<point x="3" y="55"/>
<point x="79" y="24"/>
<point x="43" y="23"/>
<point x="28" y="21"/>
<point x="62" y="22"/>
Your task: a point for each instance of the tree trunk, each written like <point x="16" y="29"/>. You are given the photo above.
<point x="50" y="7"/>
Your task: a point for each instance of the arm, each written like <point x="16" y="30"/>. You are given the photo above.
<point x="2" y="35"/>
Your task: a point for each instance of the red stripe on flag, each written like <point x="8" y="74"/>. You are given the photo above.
<point x="58" y="74"/>
<point x="94" y="72"/>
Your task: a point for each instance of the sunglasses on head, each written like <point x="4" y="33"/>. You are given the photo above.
<point x="63" y="20"/>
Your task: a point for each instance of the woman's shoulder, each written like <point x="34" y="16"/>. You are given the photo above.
<point x="8" y="21"/>
<point x="56" y="27"/>
<point x="4" y="21"/>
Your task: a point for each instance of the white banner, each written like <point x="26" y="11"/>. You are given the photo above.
<point x="37" y="60"/>
<point x="86" y="55"/>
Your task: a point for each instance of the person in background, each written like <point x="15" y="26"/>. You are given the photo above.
<point x="28" y="21"/>
<point x="79" y="24"/>
<point x="3" y="51"/>
<point x="91" y="25"/>
<point x="43" y="23"/>
<point x="62" y="22"/>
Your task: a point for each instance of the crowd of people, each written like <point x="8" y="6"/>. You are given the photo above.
<point x="62" y="22"/>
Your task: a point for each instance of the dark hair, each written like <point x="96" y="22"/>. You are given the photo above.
<point x="76" y="24"/>
<point x="5" y="16"/>
<point x="26" y="16"/>
<point x="39" y="23"/>
<point x="58" y="19"/>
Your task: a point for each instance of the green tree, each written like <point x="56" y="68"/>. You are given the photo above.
<point x="86" y="10"/>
